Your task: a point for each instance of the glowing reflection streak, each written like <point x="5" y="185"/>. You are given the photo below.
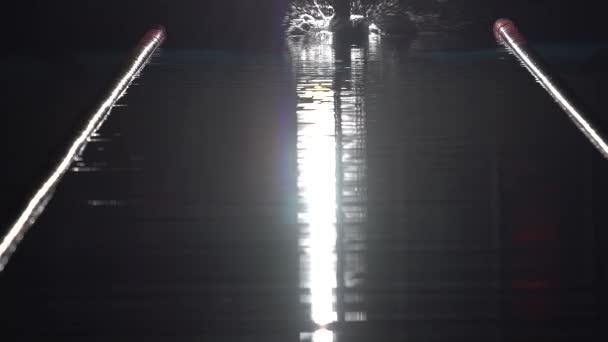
<point x="352" y="183"/>
<point x="144" y="51"/>
<point x="323" y="335"/>
<point x="317" y="180"/>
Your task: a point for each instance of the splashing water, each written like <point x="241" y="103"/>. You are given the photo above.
<point x="309" y="17"/>
<point x="313" y="17"/>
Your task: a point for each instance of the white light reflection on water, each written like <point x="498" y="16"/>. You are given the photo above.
<point x="317" y="179"/>
<point x="331" y="182"/>
<point x="323" y="335"/>
<point x="352" y="198"/>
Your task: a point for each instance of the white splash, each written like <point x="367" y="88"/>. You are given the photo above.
<point x="313" y="17"/>
<point x="309" y="17"/>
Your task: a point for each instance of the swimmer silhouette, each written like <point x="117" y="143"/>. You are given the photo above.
<point x="342" y="24"/>
<point x="356" y="27"/>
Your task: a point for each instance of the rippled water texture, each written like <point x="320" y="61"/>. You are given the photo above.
<point x="384" y="192"/>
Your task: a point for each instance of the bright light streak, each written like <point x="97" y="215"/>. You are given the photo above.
<point x="37" y="202"/>
<point x="323" y="335"/>
<point x="317" y="181"/>
<point x="579" y="118"/>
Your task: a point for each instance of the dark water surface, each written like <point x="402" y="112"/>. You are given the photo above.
<point x="390" y="192"/>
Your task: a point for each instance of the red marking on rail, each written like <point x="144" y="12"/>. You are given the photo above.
<point x="152" y="33"/>
<point x="504" y="28"/>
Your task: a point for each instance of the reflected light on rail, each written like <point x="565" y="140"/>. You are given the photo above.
<point x="36" y="204"/>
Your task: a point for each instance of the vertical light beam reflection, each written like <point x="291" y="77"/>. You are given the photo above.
<point x="323" y="335"/>
<point x="332" y="178"/>
<point x="352" y="185"/>
<point x="316" y="147"/>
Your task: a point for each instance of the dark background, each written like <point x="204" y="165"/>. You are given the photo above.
<point x="49" y="26"/>
<point x="47" y="86"/>
<point x="43" y="39"/>
<point x="46" y="91"/>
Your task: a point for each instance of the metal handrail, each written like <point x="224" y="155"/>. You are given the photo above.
<point x="37" y="202"/>
<point x="507" y="34"/>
